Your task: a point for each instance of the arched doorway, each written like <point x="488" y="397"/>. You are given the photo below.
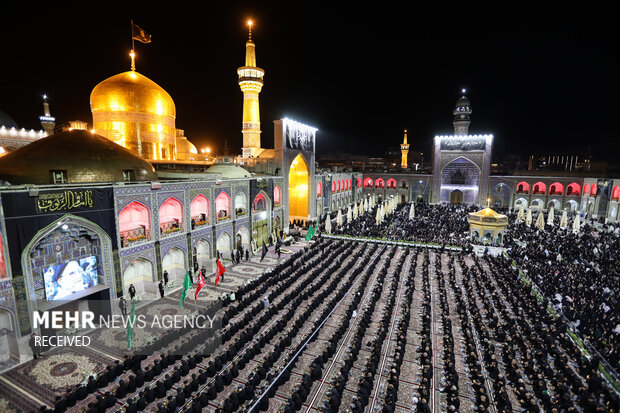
<point x="170" y="217"/>
<point x="260" y="218"/>
<point x="298" y="184"/>
<point x="174" y="262"/>
<point x="223" y="244"/>
<point x="140" y="274"/>
<point x="202" y="252"/>
<point x="456" y="196"/>
<point x="9" y="350"/>
<point x="242" y="239"/>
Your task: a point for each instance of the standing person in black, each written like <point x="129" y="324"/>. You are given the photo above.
<point x="122" y="304"/>
<point x="247" y="254"/>
<point x="165" y="278"/>
<point x="132" y="291"/>
<point x="161" y="289"/>
<point x="33" y="346"/>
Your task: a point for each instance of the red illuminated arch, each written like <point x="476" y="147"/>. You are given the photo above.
<point x="523" y="188"/>
<point x="199" y="210"/>
<point x="379" y="183"/>
<point x="170" y="216"/>
<point x="359" y="182"/>
<point x="319" y="189"/>
<point x="349" y="184"/>
<point x="586" y="189"/>
<point x="368" y="183"/>
<point x="260" y="203"/>
<point x="222" y="206"/>
<point x="539" y="188"/>
<point x="333" y="186"/>
<point x="593" y="190"/>
<point x="391" y="183"/>
<point x="337" y="186"/>
<point x="573" y="189"/>
<point x="615" y="193"/>
<point x="556" y="188"/>
<point x="134" y="223"/>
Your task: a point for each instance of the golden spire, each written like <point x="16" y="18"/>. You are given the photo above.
<point x="405" y="141"/>
<point x="250" y="22"/>
<point x="133" y="60"/>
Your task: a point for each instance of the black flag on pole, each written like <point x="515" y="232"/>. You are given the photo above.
<point x="140" y="35"/>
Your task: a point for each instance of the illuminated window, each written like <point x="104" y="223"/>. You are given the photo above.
<point x="260" y="203"/>
<point x="379" y="183"/>
<point x="586" y="189"/>
<point x="391" y="183"/>
<point x="58" y="176"/>
<point x="319" y="189"/>
<point x="276" y="195"/>
<point x="170" y="216"/>
<point x="129" y="175"/>
<point x="368" y="183"/>
<point x="615" y="194"/>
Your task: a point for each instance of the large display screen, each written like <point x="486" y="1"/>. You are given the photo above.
<point x="62" y="280"/>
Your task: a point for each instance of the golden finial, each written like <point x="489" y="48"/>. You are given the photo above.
<point x="133" y="60"/>
<point x="250" y="22"/>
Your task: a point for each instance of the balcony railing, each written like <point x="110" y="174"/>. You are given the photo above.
<point x="134" y="236"/>
<point x="170" y="227"/>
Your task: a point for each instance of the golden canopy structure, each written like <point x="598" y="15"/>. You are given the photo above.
<point x="136" y="113"/>
<point x="487" y="226"/>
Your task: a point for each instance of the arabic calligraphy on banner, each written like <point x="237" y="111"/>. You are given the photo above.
<point x="64" y="201"/>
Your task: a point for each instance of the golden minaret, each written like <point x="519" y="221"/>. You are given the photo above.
<point x="404" y="148"/>
<point x="251" y="83"/>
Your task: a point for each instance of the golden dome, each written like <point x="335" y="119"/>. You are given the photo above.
<point x="135" y="112"/>
<point x="132" y="92"/>
<point x="184" y="146"/>
<point x="78" y="157"/>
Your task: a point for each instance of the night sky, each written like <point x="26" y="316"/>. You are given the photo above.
<point x="360" y="75"/>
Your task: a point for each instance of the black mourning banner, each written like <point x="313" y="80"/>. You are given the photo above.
<point x="67" y="200"/>
<point x="473" y="144"/>
<point x="299" y="137"/>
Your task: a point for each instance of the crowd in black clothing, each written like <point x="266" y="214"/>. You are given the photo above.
<point x="579" y="274"/>
<point x="436" y="224"/>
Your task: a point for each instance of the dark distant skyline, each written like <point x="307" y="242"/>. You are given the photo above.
<point x="361" y="76"/>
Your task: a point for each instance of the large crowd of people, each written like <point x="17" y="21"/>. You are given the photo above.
<point x="516" y="353"/>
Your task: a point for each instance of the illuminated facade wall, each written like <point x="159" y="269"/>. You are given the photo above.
<point x="136" y="113"/>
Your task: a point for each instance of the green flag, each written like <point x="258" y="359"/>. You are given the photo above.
<point x="186" y="284"/>
<point x="309" y="234"/>
<point x="132" y="319"/>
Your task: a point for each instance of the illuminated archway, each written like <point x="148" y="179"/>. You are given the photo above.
<point x="556" y="188"/>
<point x="170" y="216"/>
<point x="523" y="188"/>
<point x="539" y="188"/>
<point x="319" y="189"/>
<point x="593" y="190"/>
<point x="199" y="210"/>
<point x="573" y="189"/>
<point x="222" y="206"/>
<point x="134" y="223"/>
<point x="391" y="183"/>
<point x="379" y="183"/>
<point x="586" y="189"/>
<point x="368" y="183"/>
<point x="615" y="193"/>
<point x="298" y="184"/>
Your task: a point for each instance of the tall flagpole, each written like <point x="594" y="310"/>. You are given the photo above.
<point x="133" y="52"/>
